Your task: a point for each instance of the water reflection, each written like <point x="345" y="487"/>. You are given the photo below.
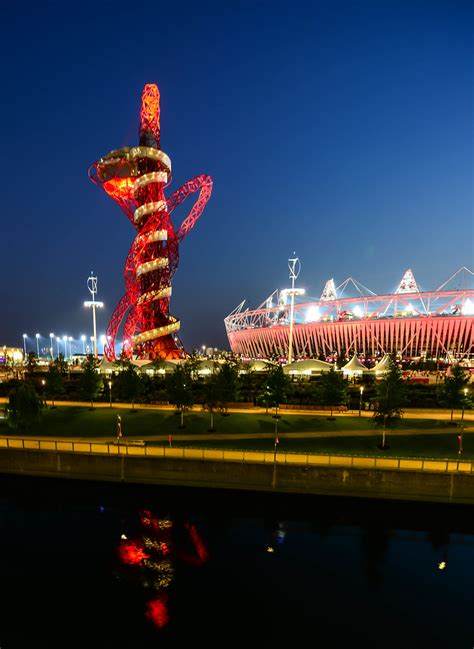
<point x="154" y="567"/>
<point x="147" y="559"/>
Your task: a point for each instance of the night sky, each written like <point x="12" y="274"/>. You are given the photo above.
<point x="342" y="131"/>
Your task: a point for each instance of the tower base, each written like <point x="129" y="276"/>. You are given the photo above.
<point x="167" y="348"/>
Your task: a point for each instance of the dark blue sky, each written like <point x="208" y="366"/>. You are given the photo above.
<point x="339" y="130"/>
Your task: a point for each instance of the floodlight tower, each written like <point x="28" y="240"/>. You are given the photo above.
<point x="294" y="265"/>
<point x="136" y="177"/>
<point x="93" y="304"/>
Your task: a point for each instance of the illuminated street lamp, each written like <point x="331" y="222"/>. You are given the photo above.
<point x="464" y="403"/>
<point x="65" y="346"/>
<point x="92" y="286"/>
<point x="51" y="336"/>
<point x="360" y="398"/>
<point x="70" y="339"/>
<point x="83" y="338"/>
<point x="110" y="394"/>
<point x="24" y="343"/>
<point x="37" y="345"/>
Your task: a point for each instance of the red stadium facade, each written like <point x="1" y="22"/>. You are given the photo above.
<point x="136" y="177"/>
<point x="409" y="323"/>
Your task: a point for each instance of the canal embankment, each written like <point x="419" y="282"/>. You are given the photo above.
<point x="424" y="479"/>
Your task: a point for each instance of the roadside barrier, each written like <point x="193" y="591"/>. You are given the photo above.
<point x="139" y="448"/>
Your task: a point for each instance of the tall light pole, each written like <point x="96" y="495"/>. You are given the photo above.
<point x="57" y="344"/>
<point x="92" y="286"/>
<point x="51" y="336"/>
<point x="464" y="403"/>
<point x="70" y="339"/>
<point x="24" y="344"/>
<point x="360" y="398"/>
<point x="65" y="347"/>
<point x="294" y="265"/>
<point x="37" y="345"/>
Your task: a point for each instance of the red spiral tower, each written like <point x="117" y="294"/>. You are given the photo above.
<point x="136" y="177"/>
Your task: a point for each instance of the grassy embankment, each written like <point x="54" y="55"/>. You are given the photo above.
<point x="346" y="434"/>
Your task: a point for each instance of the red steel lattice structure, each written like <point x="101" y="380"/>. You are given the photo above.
<point x="438" y="323"/>
<point x="136" y="177"/>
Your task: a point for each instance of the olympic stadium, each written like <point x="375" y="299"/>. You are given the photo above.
<point x="351" y="319"/>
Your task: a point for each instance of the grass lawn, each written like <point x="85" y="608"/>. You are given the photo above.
<point x="75" y="421"/>
<point x="443" y="445"/>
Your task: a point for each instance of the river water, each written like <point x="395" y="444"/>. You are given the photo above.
<point x="103" y="565"/>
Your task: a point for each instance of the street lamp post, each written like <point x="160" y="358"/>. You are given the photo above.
<point x="37" y="345"/>
<point x="92" y="286"/>
<point x="65" y="347"/>
<point x="57" y="344"/>
<point x="51" y="336"/>
<point x="460" y="437"/>
<point x="464" y="403"/>
<point x="360" y="398"/>
<point x="110" y="394"/>
<point x="24" y="343"/>
<point x="70" y="350"/>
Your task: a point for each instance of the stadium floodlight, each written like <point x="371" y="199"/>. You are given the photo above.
<point x="312" y="314"/>
<point x="468" y="307"/>
<point x="294" y="265"/>
<point x="92" y="286"/>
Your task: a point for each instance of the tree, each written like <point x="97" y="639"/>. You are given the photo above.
<point x="25" y="407"/>
<point x="90" y="381"/>
<point x="276" y="387"/>
<point x="179" y="389"/>
<point x="129" y="383"/>
<point x="54" y="383"/>
<point x="31" y="362"/>
<point x="453" y="392"/>
<point x="391" y="396"/>
<point x="333" y="389"/>
<point x="61" y="364"/>
<point x="211" y="397"/>
<point x="227" y="384"/>
<point x="192" y="364"/>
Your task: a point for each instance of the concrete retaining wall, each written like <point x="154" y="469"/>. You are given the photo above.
<point x="350" y="480"/>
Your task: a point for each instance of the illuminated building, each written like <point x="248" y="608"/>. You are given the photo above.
<point x="410" y="323"/>
<point x="10" y="355"/>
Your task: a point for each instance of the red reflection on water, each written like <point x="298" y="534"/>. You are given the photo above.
<point x="157" y="611"/>
<point x="152" y="557"/>
<point x="201" y="555"/>
<point x="130" y="552"/>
